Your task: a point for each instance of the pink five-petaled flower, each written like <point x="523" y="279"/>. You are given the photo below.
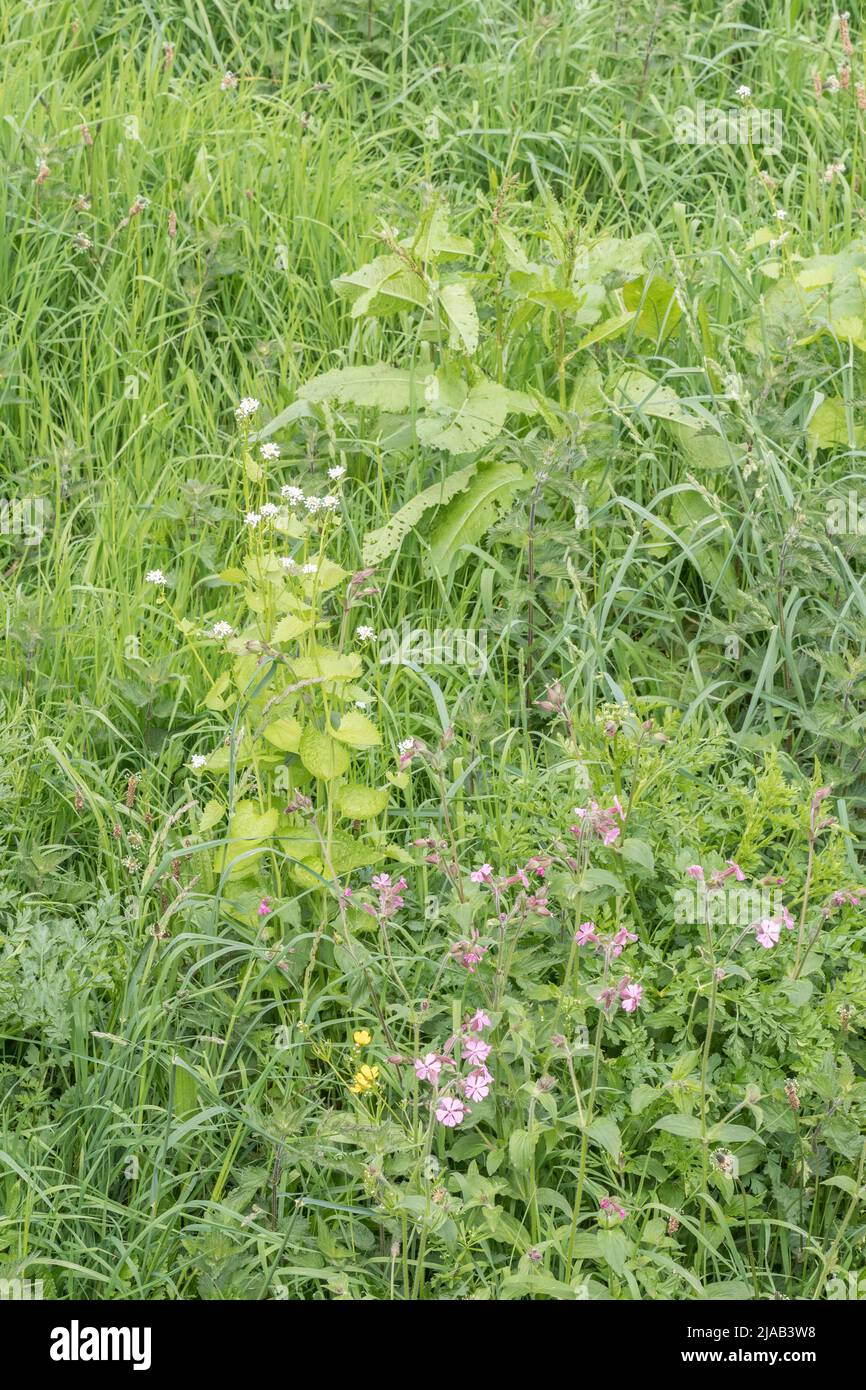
<point x="450" y="1111"/>
<point x="767" y="932"/>
<point x="477" y="1084"/>
<point x="428" y="1068"/>
<point x="482" y="875"/>
<point x="630" y="994"/>
<point x="695" y="871"/>
<point x="623" y="938"/>
<point x="476" y="1050"/>
<point x="585" y="934"/>
<point x="479" y="1021"/>
<point x="264" y="907"/>
<point x="609" y="1206"/>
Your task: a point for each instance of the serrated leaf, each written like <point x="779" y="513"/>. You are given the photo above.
<point x="477" y="421"/>
<point x="384" y="286"/>
<point x="287" y="629"/>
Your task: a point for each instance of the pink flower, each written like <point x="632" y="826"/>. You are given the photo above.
<point x="469" y="953"/>
<point x="585" y="934"/>
<point x="482" y="875"/>
<point x="450" y="1111"/>
<point x="428" y="1068"/>
<point x="477" y="1084"/>
<point x="600" y="820"/>
<point x="767" y="932"/>
<point x="479" y="1021"/>
<point x="622" y="939"/>
<point x="475" y="1050"/>
<point x="695" y="871"/>
<point x="787" y="919"/>
<point x="264" y="907"/>
<point x="630" y="995"/>
<point x="609" y="1206"/>
<point x="607" y="998"/>
<point x="736" y="870"/>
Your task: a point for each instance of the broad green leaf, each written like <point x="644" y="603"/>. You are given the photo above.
<point x="356" y="730"/>
<point x="465" y="520"/>
<point x="828" y="427"/>
<point x="284" y="734"/>
<point x="476" y="422"/>
<point x="653" y="300"/>
<point x="362" y="803"/>
<point x="459" y="308"/>
<point x="384" y="286"/>
<point x="605" y="1132"/>
<point x="335" y="667"/>
<point x="378" y="386"/>
<point x="686" y="1126"/>
<point x="321" y="755"/>
<point x="287" y="629"/>
<point x="379" y="544"/>
<point x="211" y="816"/>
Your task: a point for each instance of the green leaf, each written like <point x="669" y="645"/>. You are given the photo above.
<point x="211" y="816"/>
<point x="685" y="1126"/>
<point x="384" y="286"/>
<point x="655" y="305"/>
<point x="605" y="1132"/>
<point x="287" y="629"/>
<point x="465" y="520"/>
<point x="335" y="667"/>
<point x="321" y="755"/>
<point x="362" y="803"/>
<point x="284" y="734"/>
<point x="521" y="1150"/>
<point x="356" y="730"/>
<point x="379" y="544"/>
<point x="828" y="427"/>
<point x="638" y="852"/>
<point x="477" y="421"/>
<point x="459" y="309"/>
<point x="378" y="386"/>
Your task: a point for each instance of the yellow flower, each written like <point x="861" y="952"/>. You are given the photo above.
<point x="362" y="1038"/>
<point x="365" y="1078"/>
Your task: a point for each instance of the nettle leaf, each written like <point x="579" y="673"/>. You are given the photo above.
<point x="383" y="286"/>
<point x="213" y="700"/>
<point x="321" y="755"/>
<point x="357" y="731"/>
<point x="459" y="308"/>
<point x="362" y="803"/>
<point x="476" y="421"/>
<point x="381" y="543"/>
<point x="211" y="816"/>
<point x="284" y="734"/>
<point x="615" y="260"/>
<point x="376" y="387"/>
<point x="465" y="520"/>
<point x="248" y="832"/>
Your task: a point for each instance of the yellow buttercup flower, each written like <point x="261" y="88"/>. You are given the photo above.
<point x="362" y="1038"/>
<point x="365" y="1079"/>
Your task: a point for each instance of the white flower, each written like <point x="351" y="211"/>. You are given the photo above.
<point x="156" y="577"/>
<point x="744" y="93"/>
<point x="252" y="519"/>
<point x="197" y="761"/>
<point x="330" y="503"/>
<point x="247" y="407"/>
<point x="309" y="568"/>
<point x="837" y="166"/>
<point x="222" y="630"/>
<point x="228" y="82"/>
<point x="781" y="214"/>
<point x="336" y="472"/>
<point x="313" y="504"/>
<point x="406" y="746"/>
<point x="832" y="84"/>
<point x="364" y="633"/>
<point x="293" y="495"/>
<point x="270" y="451"/>
<point x="269" y="509"/>
<point x="288" y="563"/>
